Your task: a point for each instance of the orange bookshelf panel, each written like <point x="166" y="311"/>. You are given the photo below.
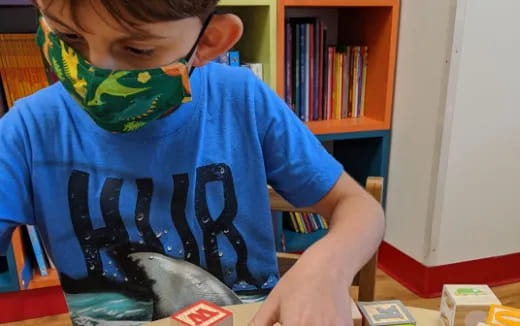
<point x="20" y="256"/>
<point x="39" y="281"/>
<point x="346" y="125"/>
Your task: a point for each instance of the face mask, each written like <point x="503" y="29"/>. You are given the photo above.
<point x="119" y="101"/>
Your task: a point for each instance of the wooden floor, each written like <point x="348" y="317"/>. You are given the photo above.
<point x="386" y="289"/>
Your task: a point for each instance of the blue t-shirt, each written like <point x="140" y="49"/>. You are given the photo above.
<point x="129" y="218"/>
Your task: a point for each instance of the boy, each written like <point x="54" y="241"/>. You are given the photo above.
<point x="146" y="161"/>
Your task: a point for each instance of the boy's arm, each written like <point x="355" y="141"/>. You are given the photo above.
<point x="315" y="290"/>
<point x="15" y="184"/>
<point x="356" y="227"/>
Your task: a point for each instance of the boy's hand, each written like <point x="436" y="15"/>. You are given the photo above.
<point x="309" y="294"/>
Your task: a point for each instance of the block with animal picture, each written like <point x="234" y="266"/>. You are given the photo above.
<point x="466" y="304"/>
<point x="382" y="313"/>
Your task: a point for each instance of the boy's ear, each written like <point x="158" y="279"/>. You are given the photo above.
<point x="222" y="33"/>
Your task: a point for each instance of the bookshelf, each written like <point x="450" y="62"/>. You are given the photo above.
<point x="258" y="43"/>
<point x="362" y="145"/>
<point x="370" y="22"/>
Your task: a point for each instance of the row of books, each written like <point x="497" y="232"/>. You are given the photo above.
<point x="323" y="82"/>
<point x="21" y="68"/>
<point x="232" y="58"/>
<point x="305" y="222"/>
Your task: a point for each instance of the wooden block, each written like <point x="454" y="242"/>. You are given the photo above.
<point x="202" y="313"/>
<point x="380" y="313"/>
<point x="356" y="314"/>
<point x="503" y="316"/>
<point x="463" y="304"/>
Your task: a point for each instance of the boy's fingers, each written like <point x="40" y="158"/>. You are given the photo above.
<point x="268" y="314"/>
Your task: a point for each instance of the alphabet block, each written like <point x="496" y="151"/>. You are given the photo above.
<point x="202" y="313"/>
<point x="466" y="304"/>
<point x="380" y="313"/>
<point x="503" y="316"/>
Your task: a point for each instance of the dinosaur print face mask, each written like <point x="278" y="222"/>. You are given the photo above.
<point x="119" y="101"/>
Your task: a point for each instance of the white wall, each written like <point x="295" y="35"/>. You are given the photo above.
<point x="477" y="214"/>
<point x="425" y="38"/>
<point x="455" y="153"/>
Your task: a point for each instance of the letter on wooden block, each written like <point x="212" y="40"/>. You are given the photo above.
<point x="503" y="316"/>
<point x="202" y="313"/>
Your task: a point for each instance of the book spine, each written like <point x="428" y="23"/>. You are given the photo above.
<point x="337" y="96"/>
<point x="312" y="59"/>
<point x="321" y="82"/>
<point x="306" y="73"/>
<point x="302" y="72"/>
<point x="317" y="65"/>
<point x="332" y="54"/>
<point x="364" y="78"/>
<point x="325" y="75"/>
<point x="297" y="69"/>
<point x="359" y="82"/>
<point x="344" y="83"/>
<point x="352" y="83"/>
<point x="288" y="65"/>
<point x="37" y="249"/>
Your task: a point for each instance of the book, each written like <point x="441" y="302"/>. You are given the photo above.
<point x="37" y="248"/>
<point x="234" y="58"/>
<point x="288" y="64"/>
<point x="364" y="79"/>
<point x="256" y="68"/>
<point x="306" y="72"/>
<point x="3" y="103"/>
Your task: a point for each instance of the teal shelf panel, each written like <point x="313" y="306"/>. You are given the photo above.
<point x="8" y="279"/>
<point x="297" y="242"/>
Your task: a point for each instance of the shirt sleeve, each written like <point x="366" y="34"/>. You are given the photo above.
<point x="298" y="166"/>
<point x="15" y="184"/>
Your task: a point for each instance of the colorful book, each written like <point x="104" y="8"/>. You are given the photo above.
<point x="312" y="59"/>
<point x="364" y="80"/>
<point x="38" y="251"/>
<point x="288" y="64"/>
<point x="3" y="103"/>
<point x="306" y="73"/>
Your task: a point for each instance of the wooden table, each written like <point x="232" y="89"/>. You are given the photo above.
<point x="242" y="314"/>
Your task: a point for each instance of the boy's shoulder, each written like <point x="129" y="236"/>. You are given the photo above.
<point x="231" y="77"/>
<point x="44" y="101"/>
<point x="41" y="106"/>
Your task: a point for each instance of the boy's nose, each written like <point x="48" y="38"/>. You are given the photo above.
<point x="102" y="60"/>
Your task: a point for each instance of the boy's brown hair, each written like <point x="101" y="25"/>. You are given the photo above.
<point x="131" y="12"/>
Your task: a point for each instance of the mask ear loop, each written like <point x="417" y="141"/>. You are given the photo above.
<point x="202" y="31"/>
